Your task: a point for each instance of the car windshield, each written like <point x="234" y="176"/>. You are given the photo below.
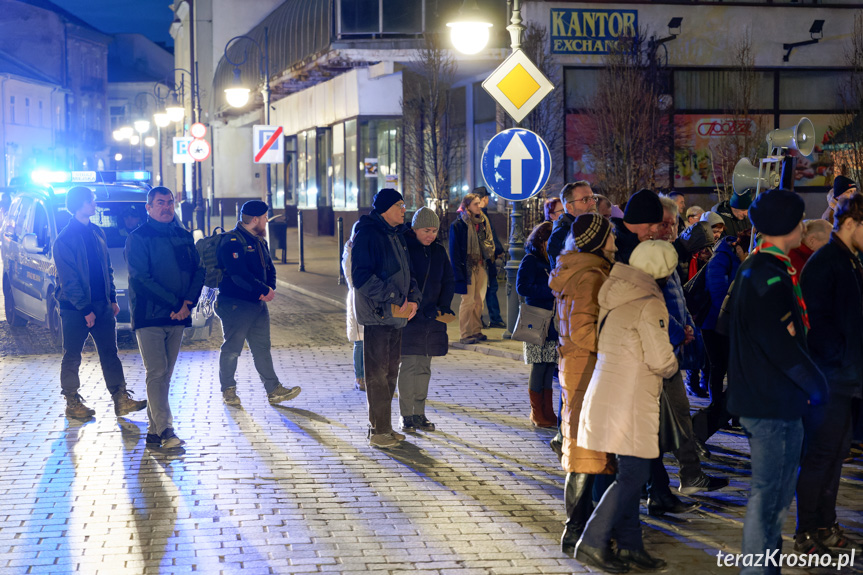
<point x="117" y="220"/>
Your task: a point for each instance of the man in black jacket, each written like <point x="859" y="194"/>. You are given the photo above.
<point x="165" y="281"/>
<point x="385" y="298"/>
<point x="577" y="198"/>
<point x="247" y="285"/>
<point x="642" y="218"/>
<point x="832" y="286"/>
<point x="88" y="305"/>
<point x="772" y="377"/>
<point x="492" y="266"/>
<point x="733" y="212"/>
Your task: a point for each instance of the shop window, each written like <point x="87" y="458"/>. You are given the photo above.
<point x="323" y="160"/>
<point x="580" y="85"/>
<point x="402" y="16"/>
<point x="352" y="169"/>
<point x="381" y="17"/>
<point x="359" y="16"/>
<point x="712" y="89"/>
<point x="819" y="90"/>
<point x="338" y="166"/>
<point x="379" y="158"/>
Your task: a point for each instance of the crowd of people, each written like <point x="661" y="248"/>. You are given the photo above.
<point x="637" y="302"/>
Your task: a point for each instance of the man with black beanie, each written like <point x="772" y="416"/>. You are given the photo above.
<point x="832" y="284"/>
<point x="641" y="220"/>
<point x="385" y="298"/>
<point x="772" y="377"/>
<point x="247" y="286"/>
<point x="733" y="212"/>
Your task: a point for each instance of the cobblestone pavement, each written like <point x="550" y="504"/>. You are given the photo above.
<point x="296" y="489"/>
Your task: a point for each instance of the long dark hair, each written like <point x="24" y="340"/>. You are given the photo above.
<point x="537" y="240"/>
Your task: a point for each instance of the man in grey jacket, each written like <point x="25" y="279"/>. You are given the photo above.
<point x="88" y="305"/>
<point x="386" y="297"/>
<point x="165" y="281"/>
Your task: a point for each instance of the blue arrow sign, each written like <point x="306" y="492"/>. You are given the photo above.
<point x="516" y="164"/>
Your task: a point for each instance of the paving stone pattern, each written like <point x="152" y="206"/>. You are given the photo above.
<point x="296" y="489"/>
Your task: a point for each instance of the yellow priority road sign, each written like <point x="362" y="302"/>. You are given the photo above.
<point x="518" y="85"/>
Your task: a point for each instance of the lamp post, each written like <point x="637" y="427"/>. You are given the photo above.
<point x="238" y="95"/>
<point x="472" y="31"/>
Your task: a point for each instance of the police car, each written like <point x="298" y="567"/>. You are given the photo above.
<point x="36" y="216"/>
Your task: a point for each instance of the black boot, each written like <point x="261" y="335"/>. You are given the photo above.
<point x="579" y="506"/>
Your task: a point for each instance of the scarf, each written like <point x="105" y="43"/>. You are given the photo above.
<point x="774" y="251"/>
<point x="480" y="245"/>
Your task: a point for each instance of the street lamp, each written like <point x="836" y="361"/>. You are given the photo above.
<point x="142" y="126"/>
<point x="470" y="31"/>
<point x="470" y="23"/>
<point x="238" y="95"/>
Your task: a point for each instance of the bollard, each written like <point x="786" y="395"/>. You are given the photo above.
<point x="222" y="213"/>
<point x="237" y="208"/>
<point x="300" y="232"/>
<point x="340" y="229"/>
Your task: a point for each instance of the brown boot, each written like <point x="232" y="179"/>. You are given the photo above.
<point x="537" y="415"/>
<point x="548" y="406"/>
<point x="76" y="409"/>
<point x="360" y="385"/>
<point x="124" y="403"/>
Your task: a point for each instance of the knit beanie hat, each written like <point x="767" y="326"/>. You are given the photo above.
<point x="643" y="207"/>
<point x="385" y="199"/>
<point x="590" y="232"/>
<point x="425" y="218"/>
<point x="254" y="208"/>
<point x="841" y="185"/>
<point x="741" y="201"/>
<point x="777" y="212"/>
<point x="655" y="257"/>
<point x="712" y="219"/>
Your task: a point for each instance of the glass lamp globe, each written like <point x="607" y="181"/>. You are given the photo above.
<point x="142" y="126"/>
<point x="237" y="97"/>
<point x="127" y="132"/>
<point x="469" y="37"/>
<point x="149" y="141"/>
<point x="175" y="113"/>
<point x="162" y="120"/>
<point x="134" y="140"/>
<point x="118" y="135"/>
<point x="118" y="157"/>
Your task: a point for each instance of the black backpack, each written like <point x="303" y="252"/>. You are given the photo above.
<point x="697" y="296"/>
<point x="208" y="249"/>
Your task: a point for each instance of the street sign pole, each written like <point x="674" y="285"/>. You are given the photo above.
<point x="516" y="227"/>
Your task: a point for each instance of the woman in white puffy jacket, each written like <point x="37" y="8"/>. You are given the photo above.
<point x="621" y="407"/>
<point x="355" y="330"/>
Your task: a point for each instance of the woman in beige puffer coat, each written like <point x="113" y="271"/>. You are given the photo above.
<point x="621" y="407"/>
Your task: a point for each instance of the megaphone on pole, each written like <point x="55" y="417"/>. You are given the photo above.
<point x="801" y="138"/>
<point x="746" y="176"/>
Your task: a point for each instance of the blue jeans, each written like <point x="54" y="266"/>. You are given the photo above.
<point x="359" y="368"/>
<point x="617" y="511"/>
<point x="245" y="321"/>
<point x="775" y="446"/>
<point x="491" y="295"/>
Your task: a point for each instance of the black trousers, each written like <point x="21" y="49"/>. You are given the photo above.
<point x="382" y="351"/>
<point x="104" y="333"/>
<point x="710" y="419"/>
<point x="826" y="440"/>
<point x="687" y="457"/>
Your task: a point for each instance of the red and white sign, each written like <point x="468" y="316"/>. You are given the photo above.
<point x="198" y="130"/>
<point x="199" y="150"/>
<point x="268" y="144"/>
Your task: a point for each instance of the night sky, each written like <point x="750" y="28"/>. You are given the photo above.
<point x="152" y="18"/>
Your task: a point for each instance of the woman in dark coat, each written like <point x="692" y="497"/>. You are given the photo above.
<point x="532" y="284"/>
<point x="424" y="336"/>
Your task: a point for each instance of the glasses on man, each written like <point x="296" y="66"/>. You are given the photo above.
<point x="555" y="212"/>
<point x="585" y="200"/>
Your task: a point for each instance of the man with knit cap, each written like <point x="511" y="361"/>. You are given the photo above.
<point x="733" y="212"/>
<point x="641" y="220"/>
<point x="386" y="297"/>
<point x="424" y="336"/>
<point x="247" y="285"/>
<point x="577" y="198"/>
<point x="843" y="187"/>
<point x="772" y="377"/>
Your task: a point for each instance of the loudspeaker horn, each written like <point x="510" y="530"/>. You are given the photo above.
<point x="745" y="176"/>
<point x="801" y="137"/>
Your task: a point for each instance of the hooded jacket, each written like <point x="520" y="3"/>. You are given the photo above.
<point x="720" y="271"/>
<point x="733" y="226"/>
<point x="625" y="240"/>
<point x="425" y="335"/>
<point x="621" y="407"/>
<point x="576" y="282"/>
<point x="381" y="272"/>
<point x="691" y="241"/>
<point x="164" y="272"/>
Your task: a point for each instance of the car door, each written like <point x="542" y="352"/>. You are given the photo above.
<point x="33" y="265"/>
<point x="14" y="254"/>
